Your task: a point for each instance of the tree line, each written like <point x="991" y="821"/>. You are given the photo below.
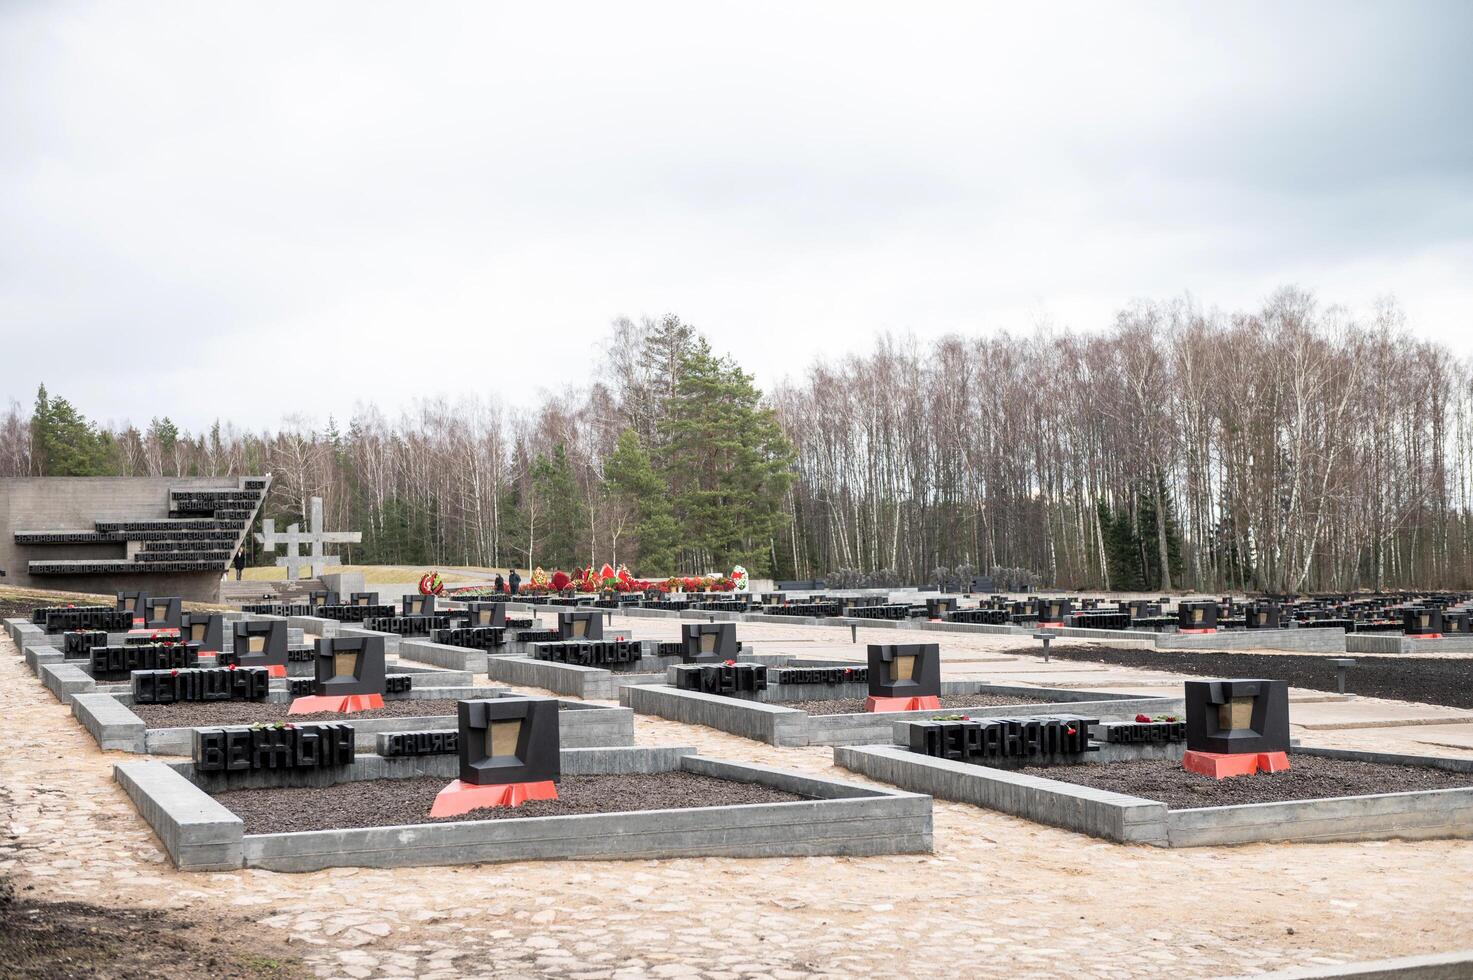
<point x="1294" y="447"/>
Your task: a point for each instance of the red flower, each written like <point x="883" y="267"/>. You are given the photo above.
<point x="1071" y="730"/>
<point x="1142" y="718"/>
<point x="174" y="673"/>
<point x="230" y="666"/>
<point x="731" y="663"/>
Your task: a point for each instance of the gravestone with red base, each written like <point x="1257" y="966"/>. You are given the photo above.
<point x="509" y="754"/>
<point x="1237" y="727"/>
<point x="261" y="643"/>
<point x="904" y="677"/>
<point x="350" y="676"/>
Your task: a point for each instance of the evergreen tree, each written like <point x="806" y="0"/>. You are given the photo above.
<point x="631" y="478"/>
<point x="41" y="432"/>
<point x="564" y="515"/>
<point x="728" y="464"/>
<point x="65" y="442"/>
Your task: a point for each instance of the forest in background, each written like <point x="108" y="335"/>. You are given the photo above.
<point x="1291" y="448"/>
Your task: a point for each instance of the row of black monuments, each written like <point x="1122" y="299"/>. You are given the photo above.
<point x="729" y="679"/>
<point x="419" y="743"/>
<point x="818" y="675"/>
<point x="307" y="745"/>
<point x="118" y="662"/>
<point x="996" y="739"/>
<point x="410" y="625"/>
<point x="200" y="684"/>
<point x="591" y="653"/>
<point x="65" y="620"/>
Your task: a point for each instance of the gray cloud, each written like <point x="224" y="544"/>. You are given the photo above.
<point x="457" y="199"/>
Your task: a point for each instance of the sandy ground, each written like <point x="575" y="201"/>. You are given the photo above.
<point x="1000" y="897"/>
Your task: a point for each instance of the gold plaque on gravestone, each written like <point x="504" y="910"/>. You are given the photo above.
<point x="1425" y="619"/>
<point x="501" y="738"/>
<point x="483" y="617"/>
<point x="1197" y="615"/>
<point x="128" y="604"/>
<point x="256" y="644"/>
<point x="1262" y="618"/>
<point x="902" y="669"/>
<point x="197" y="631"/>
<point x="708" y="642"/>
<point x="580" y="627"/>
<point x="1236" y="715"/>
<point x="344" y="664"/>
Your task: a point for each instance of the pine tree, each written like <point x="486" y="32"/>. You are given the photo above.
<point x="565" y="515"/>
<point x="69" y="444"/>
<point x="41" y="432"/>
<point x="728" y="464"/>
<point x="632" y="479"/>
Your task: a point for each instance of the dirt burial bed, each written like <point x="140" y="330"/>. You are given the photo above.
<point x="396" y="802"/>
<point x="191" y="714"/>
<point x="855" y="706"/>
<point x="1308" y="778"/>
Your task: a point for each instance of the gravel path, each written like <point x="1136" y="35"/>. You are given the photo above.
<point x="1425" y="680"/>
<point x="395" y="802"/>
<point x="190" y="714"/>
<point x="854" y="706"/>
<point x="1308" y="778"/>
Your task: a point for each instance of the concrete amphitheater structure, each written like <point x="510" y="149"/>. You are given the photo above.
<point x="160" y="535"/>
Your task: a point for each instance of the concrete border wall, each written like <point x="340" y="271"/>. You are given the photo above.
<point x="1446" y="813"/>
<point x="777" y="724"/>
<point x="839" y="819"/>
<point x="112" y="723"/>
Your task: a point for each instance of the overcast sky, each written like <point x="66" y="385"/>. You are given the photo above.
<point x="247" y="210"/>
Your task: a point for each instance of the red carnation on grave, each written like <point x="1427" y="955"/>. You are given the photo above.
<point x="174" y="673"/>
<point x="1072" y="730"/>
<point x="1142" y="718"/>
<point x="230" y="666"/>
<point x="560" y="580"/>
<point x="731" y="663"/>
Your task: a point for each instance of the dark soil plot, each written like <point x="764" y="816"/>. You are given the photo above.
<point x="44" y="940"/>
<point x="1401" y="678"/>
<point x="395" y="802"/>
<point x="191" y="714"/>
<point x="1309" y="777"/>
<point x="855" y="706"/>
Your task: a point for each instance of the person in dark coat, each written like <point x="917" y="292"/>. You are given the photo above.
<point x="500" y="584"/>
<point x="514" y="581"/>
<point x="239" y="563"/>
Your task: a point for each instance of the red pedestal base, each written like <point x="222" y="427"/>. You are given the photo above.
<point x="276" y="670"/>
<point x="902" y="704"/>
<point x="343" y="704"/>
<point x="1051" y="626"/>
<point x="460" y="797"/>
<point x="1221" y="765"/>
<point x="1210" y="629"/>
<point x="1424" y="636"/>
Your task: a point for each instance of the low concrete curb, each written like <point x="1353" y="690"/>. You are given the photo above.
<point x="840" y="819"/>
<point x="777" y="724"/>
<point x="66" y="680"/>
<point x="113" y="724"/>
<point x="443" y="655"/>
<point x="1434" y="966"/>
<point x="1131" y="820"/>
<point x="198" y="833"/>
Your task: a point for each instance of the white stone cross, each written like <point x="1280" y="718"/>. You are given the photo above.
<point x="295" y="561"/>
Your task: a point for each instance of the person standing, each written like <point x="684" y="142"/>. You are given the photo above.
<point x="514" y="581"/>
<point x="499" y="584"/>
<point x="239" y="563"/>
